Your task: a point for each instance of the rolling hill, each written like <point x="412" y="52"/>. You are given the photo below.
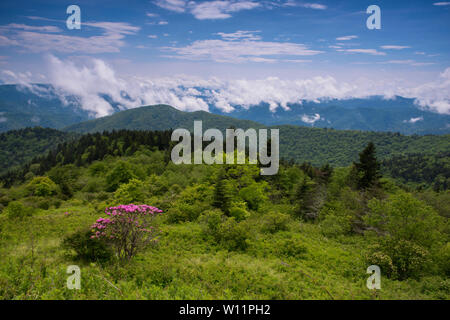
<point x="159" y="117"/>
<point x="302" y="144"/>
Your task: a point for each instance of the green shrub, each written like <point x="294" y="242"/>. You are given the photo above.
<point x="87" y="248"/>
<point x="121" y="173"/>
<point x="292" y="248"/>
<point x="131" y="192"/>
<point x="44" y="204"/>
<point x="333" y="225"/>
<point x="16" y="209"/>
<point x="41" y="187"/>
<point x="232" y="235"/>
<point x="210" y="221"/>
<point x="399" y="259"/>
<point x="254" y="195"/>
<point x="225" y="231"/>
<point x="175" y="215"/>
<point x="274" y="221"/>
<point x="183" y="212"/>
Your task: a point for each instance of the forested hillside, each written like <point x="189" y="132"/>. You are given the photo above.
<point x="340" y="147"/>
<point x="224" y="232"/>
<point x="160" y="117"/>
<point x="21" y="146"/>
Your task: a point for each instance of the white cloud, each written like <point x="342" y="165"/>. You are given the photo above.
<point x="394" y="47"/>
<point x="292" y="3"/>
<point x="373" y="52"/>
<point x="46" y="39"/>
<point x="316" y="6"/>
<point x="152" y="36"/>
<point x="413" y="120"/>
<point x="408" y="62"/>
<point x="311" y="119"/>
<point x="3" y="119"/>
<point x="445" y="3"/>
<point x="220" y="9"/>
<point x="433" y="95"/>
<point x="346" y="38"/>
<point x="51" y="29"/>
<point x="239" y="47"/>
<point x="238" y="35"/>
<point x="90" y="79"/>
<point x="172" y="5"/>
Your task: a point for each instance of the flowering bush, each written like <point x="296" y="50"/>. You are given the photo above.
<point x="128" y="228"/>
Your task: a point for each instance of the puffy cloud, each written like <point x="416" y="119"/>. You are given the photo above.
<point x="435" y="95"/>
<point x="92" y="80"/>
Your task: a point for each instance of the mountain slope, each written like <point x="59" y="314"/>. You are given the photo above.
<point x="159" y="117"/>
<point x="39" y="105"/>
<point x="20" y="146"/>
<point x="315" y="145"/>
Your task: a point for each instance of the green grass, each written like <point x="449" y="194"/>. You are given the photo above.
<point x="186" y="266"/>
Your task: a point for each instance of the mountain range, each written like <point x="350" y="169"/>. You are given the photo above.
<point x="44" y="105"/>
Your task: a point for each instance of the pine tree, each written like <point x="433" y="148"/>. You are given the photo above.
<point x="222" y="195"/>
<point x="368" y="168"/>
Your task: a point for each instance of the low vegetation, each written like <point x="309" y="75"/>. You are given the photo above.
<point x="225" y="232"/>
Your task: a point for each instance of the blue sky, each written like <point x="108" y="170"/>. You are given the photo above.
<point x="251" y="40"/>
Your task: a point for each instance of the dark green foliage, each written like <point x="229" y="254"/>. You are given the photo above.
<point x="160" y="117"/>
<point x="87" y="248"/>
<point x="292" y="248"/>
<point x="274" y="221"/>
<point x="420" y="170"/>
<point x="120" y="174"/>
<point x="399" y="259"/>
<point x="225" y="231"/>
<point x="222" y="193"/>
<point x="17" y="210"/>
<point x="21" y="146"/>
<point x="89" y="148"/>
<point x="368" y="168"/>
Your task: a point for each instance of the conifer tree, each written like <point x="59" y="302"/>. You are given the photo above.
<point x="368" y="168"/>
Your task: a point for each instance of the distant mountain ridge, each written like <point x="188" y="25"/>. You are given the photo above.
<point x="300" y="143"/>
<point x="21" y="106"/>
<point x="371" y="114"/>
<point x="159" y="117"/>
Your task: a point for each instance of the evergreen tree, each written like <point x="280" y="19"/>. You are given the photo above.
<point x="222" y="195"/>
<point x="368" y="168"/>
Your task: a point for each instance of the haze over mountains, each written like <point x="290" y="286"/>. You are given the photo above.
<point x="43" y="105"/>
